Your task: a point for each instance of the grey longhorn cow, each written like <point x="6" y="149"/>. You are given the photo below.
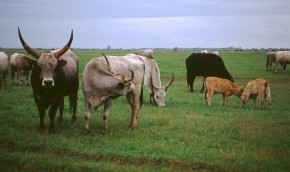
<point x="105" y="79"/>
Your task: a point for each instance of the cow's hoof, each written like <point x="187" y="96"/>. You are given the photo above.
<point x="42" y="130"/>
<point x="60" y="120"/>
<point x="86" y="131"/>
<point x="73" y="119"/>
<point x="104" y="131"/>
<point x="51" y="131"/>
<point x="132" y="126"/>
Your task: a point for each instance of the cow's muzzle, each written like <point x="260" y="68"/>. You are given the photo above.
<point x="47" y="83"/>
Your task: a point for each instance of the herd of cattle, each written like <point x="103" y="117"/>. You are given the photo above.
<point x="55" y="75"/>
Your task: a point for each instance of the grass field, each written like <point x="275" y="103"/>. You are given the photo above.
<point x="186" y="135"/>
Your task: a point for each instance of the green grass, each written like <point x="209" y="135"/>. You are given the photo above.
<point x="185" y="135"/>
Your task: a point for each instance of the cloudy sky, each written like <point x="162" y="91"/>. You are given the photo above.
<point x="146" y="23"/>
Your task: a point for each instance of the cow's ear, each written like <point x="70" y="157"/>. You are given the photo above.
<point x="62" y="63"/>
<point x="120" y="85"/>
<point x="31" y="61"/>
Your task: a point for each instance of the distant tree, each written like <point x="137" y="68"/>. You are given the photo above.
<point x="175" y="48"/>
<point x="109" y="47"/>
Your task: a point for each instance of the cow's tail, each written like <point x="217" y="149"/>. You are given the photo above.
<point x="204" y="85"/>
<point x="267" y="62"/>
<point x="267" y="94"/>
<point x="189" y="75"/>
<point x="141" y="97"/>
<point x="267" y="89"/>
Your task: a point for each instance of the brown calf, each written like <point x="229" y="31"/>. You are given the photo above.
<point x="257" y="87"/>
<point x="225" y="87"/>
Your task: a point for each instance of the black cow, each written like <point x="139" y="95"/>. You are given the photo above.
<point x="54" y="76"/>
<point x="201" y="64"/>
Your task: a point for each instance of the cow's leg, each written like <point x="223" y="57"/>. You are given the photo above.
<point x="268" y="96"/>
<point x="27" y="78"/>
<point x="245" y="102"/>
<point x="152" y="98"/>
<point x="60" y="109"/>
<point x="41" y="112"/>
<point x="255" y="100"/>
<point x="107" y="106"/>
<point x="262" y="97"/>
<point x="284" y="66"/>
<point x="73" y="98"/>
<point x="87" y="116"/>
<point x="134" y="102"/>
<point x="202" y="89"/>
<point x="208" y="94"/>
<point x="191" y="83"/>
<point x="52" y="112"/>
<point x="269" y="102"/>
<point x="20" y="78"/>
<point x="225" y="100"/>
<point x="275" y="67"/>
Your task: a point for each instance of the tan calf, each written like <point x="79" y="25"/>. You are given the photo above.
<point x="257" y="87"/>
<point x="225" y="87"/>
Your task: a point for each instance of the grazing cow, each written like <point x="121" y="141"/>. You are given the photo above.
<point x="146" y="53"/>
<point x="54" y="76"/>
<point x="199" y="64"/>
<point x="20" y="64"/>
<point x="152" y="82"/>
<point x="270" y="59"/>
<point x="204" y="51"/>
<point x="3" y="68"/>
<point x="281" y="57"/>
<point x="257" y="87"/>
<point x="106" y="78"/>
<point x="225" y="87"/>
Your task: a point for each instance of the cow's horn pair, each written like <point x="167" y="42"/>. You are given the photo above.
<point x="37" y="54"/>
<point x="166" y="86"/>
<point x="125" y="79"/>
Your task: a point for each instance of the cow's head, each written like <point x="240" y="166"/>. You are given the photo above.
<point x="46" y="62"/>
<point x="159" y="93"/>
<point x="125" y="85"/>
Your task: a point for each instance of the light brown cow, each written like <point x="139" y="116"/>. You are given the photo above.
<point x="3" y="68"/>
<point x="271" y="59"/>
<point x="257" y="87"/>
<point x="225" y="87"/>
<point x="21" y="65"/>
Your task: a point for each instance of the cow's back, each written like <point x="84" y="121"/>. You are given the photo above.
<point x="122" y="64"/>
<point x="206" y="65"/>
<point x="282" y="56"/>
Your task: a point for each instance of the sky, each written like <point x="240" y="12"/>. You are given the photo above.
<point x="146" y="23"/>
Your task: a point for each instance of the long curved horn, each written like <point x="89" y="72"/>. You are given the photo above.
<point x="129" y="79"/>
<point x="65" y="48"/>
<point x="125" y="79"/>
<point x="152" y="85"/>
<point x="167" y="85"/>
<point x="109" y="65"/>
<point x="31" y="51"/>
